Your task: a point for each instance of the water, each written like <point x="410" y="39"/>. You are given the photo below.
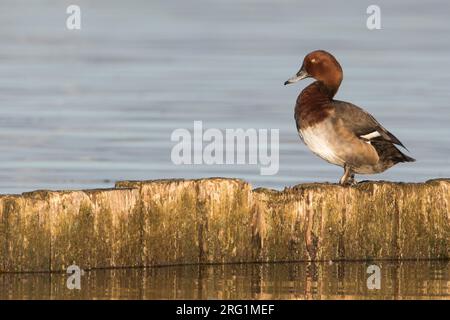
<point x="82" y="109"/>
<point x="407" y="280"/>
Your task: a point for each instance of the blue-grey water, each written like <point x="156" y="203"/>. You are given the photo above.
<point x="82" y="109"/>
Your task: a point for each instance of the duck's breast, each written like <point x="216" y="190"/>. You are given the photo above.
<point x="321" y="140"/>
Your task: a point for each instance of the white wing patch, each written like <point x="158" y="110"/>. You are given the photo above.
<point x="371" y="135"/>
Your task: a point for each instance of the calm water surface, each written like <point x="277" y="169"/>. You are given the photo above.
<point x="86" y="108"/>
<point x="407" y="280"/>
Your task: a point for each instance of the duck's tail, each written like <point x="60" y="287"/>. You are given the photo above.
<point x="407" y="158"/>
<point x="389" y="153"/>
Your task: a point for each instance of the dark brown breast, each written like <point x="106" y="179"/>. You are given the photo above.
<point x="313" y="105"/>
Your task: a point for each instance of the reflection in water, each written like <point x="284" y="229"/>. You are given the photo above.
<point x="406" y="280"/>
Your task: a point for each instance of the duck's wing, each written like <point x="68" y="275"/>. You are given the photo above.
<point x="363" y="124"/>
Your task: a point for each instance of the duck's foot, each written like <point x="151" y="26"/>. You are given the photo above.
<point x="352" y="181"/>
<point x="348" y="183"/>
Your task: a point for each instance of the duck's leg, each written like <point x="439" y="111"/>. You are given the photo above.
<point x="348" y="177"/>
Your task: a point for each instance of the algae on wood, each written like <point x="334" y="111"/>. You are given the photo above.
<point x="217" y="220"/>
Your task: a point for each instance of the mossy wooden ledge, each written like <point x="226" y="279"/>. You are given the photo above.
<point x="217" y="220"/>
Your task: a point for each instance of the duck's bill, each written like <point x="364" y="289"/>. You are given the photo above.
<point x="302" y="74"/>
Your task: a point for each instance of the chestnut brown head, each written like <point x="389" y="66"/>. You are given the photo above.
<point x="321" y="66"/>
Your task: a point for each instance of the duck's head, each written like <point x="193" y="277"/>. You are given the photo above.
<point x="322" y="66"/>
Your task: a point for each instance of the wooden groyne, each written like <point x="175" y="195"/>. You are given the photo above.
<point x="217" y="220"/>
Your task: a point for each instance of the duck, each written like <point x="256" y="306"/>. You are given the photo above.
<point x="340" y="132"/>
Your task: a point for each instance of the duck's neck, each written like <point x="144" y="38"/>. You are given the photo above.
<point x="332" y="87"/>
<point x="316" y="94"/>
